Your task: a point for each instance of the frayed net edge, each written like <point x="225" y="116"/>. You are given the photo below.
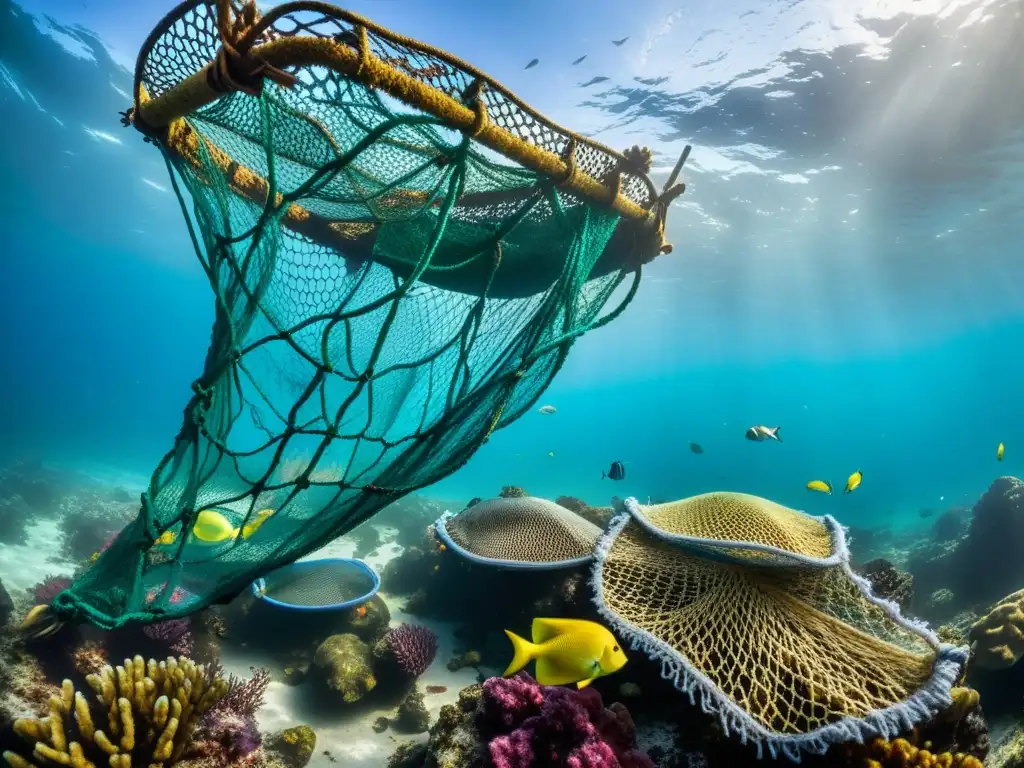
<point x="933" y="696"/>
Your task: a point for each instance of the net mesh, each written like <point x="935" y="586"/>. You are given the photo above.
<point x="521" y="530"/>
<point x="794" y="648"/>
<point x="387" y="293"/>
<point x="334" y="582"/>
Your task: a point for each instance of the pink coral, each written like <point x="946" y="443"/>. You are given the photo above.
<point x="558" y="726"/>
<point x="49" y="588"/>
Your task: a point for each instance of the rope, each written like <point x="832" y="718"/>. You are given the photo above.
<point x="235" y="68"/>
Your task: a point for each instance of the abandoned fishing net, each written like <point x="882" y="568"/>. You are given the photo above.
<point x="520" y="532"/>
<point x="753" y="608"/>
<point x="401" y="255"/>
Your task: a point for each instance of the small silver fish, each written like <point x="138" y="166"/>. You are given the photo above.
<point x="547" y="410"/>
<point x="761" y="432"/>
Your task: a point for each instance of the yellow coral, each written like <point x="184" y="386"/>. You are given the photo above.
<point x="999" y="636"/>
<point x="150" y="712"/>
<point x="900" y="753"/>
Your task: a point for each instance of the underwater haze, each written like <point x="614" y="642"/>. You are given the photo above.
<point x="846" y="264"/>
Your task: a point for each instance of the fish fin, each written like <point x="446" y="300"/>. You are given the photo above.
<point x="584" y="683"/>
<point x="548" y="629"/>
<point x="775" y="434"/>
<point x="550" y="671"/>
<point x="603" y="475"/>
<point x="523" y="652"/>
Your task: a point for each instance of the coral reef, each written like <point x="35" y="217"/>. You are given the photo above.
<point x="150" y="710"/>
<point x="412" y="646"/>
<point x="225" y="739"/>
<point x="948" y="526"/>
<point x="900" y="753"/>
<point x="243" y="697"/>
<point x="599" y="516"/>
<point x="293" y="746"/>
<point x="413" y="716"/>
<point x="998" y="637"/>
<point x="47" y="589"/>
<point x="174" y="634"/>
<point x="986" y="563"/>
<point x="517" y="723"/>
<point x="344" y="666"/>
<point x="512" y="492"/>
<point x="888" y="582"/>
<point x="468" y="659"/>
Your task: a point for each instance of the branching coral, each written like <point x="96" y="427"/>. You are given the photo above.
<point x="47" y="589"/>
<point x="513" y="492"/>
<point x="150" y="710"/>
<point x="174" y="634"/>
<point x="414" y="647"/>
<point x="244" y="697"/>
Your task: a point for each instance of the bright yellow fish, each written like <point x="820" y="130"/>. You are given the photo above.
<point x="212" y="527"/>
<point x="166" y="538"/>
<point x="853" y="483"/>
<point x="822" y="486"/>
<point x="567" y="651"/>
<point x="254" y="525"/>
<point x="1000" y="451"/>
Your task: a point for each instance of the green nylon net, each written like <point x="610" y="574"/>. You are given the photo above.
<point x="340" y="378"/>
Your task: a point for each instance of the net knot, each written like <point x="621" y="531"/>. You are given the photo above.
<point x="131" y="117"/>
<point x="473" y="96"/>
<point x="235" y="67"/>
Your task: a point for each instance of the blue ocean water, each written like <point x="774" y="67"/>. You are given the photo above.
<point x="846" y="261"/>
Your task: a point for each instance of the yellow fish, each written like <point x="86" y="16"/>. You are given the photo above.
<point x="853" y="482"/>
<point x="824" y="486"/>
<point x="1000" y="451"/>
<point x="166" y="538"/>
<point x="567" y="651"/>
<point x="212" y="527"/>
<point x="254" y="525"/>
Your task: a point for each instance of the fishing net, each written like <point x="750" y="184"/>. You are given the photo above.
<point x="330" y="584"/>
<point x="524" y="532"/>
<point x="753" y="608"/>
<point x="401" y="255"/>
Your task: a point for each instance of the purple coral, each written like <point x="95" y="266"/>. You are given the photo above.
<point x="414" y="647"/>
<point x="174" y="634"/>
<point x="558" y="726"/>
<point x="49" y="588"/>
<point x="226" y="738"/>
<point x="244" y="697"/>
